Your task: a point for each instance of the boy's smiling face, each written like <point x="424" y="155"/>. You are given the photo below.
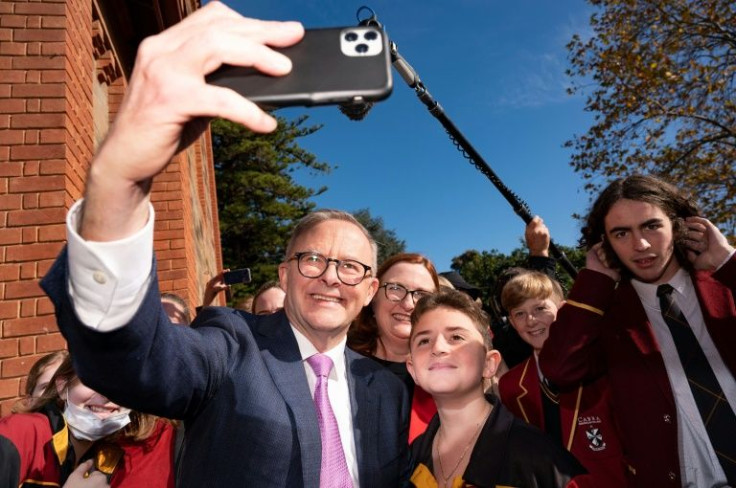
<point x="448" y="356"/>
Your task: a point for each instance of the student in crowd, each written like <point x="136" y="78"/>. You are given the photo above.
<point x="382" y="329"/>
<point x="269" y="298"/>
<point x="267" y="400"/>
<point x="69" y="424"/>
<point x="41" y="373"/>
<point x="473" y="440"/>
<point x="580" y="419"/>
<point x="654" y="311"/>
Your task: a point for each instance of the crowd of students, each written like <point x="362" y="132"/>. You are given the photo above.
<point x="358" y="375"/>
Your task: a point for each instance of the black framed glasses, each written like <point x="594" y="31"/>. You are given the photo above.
<point x="395" y="292"/>
<point x="313" y="265"/>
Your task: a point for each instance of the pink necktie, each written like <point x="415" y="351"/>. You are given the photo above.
<point x="334" y="470"/>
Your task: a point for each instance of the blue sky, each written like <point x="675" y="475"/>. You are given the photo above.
<point x="498" y="69"/>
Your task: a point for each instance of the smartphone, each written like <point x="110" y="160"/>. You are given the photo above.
<point x="237" y="276"/>
<point x="339" y="65"/>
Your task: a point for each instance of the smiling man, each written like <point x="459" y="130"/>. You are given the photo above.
<point x="654" y="311"/>
<point x="267" y="401"/>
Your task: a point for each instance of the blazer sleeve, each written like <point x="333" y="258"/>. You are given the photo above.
<point x="573" y="352"/>
<point x="149" y="364"/>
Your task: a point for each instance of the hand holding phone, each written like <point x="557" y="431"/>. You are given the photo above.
<point x="237" y="276"/>
<point x="329" y="66"/>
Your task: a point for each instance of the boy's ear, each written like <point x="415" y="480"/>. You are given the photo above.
<point x="493" y="360"/>
<point x="410" y="368"/>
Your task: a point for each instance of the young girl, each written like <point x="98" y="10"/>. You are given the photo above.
<point x="473" y="440"/>
<point x="70" y="424"/>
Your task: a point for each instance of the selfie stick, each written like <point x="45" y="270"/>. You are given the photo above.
<point x="412" y="79"/>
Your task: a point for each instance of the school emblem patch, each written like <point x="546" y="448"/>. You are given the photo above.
<point x="595" y="438"/>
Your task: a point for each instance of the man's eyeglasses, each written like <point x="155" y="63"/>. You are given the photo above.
<point x="396" y="292"/>
<point x="314" y="265"/>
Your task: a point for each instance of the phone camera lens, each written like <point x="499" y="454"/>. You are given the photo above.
<point x="361" y="48"/>
<point x="351" y="37"/>
<point x="370" y="36"/>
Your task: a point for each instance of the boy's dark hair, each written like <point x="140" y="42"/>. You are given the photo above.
<point x="643" y="188"/>
<point x="454" y="300"/>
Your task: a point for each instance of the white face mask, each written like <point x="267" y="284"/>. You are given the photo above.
<point x="85" y="425"/>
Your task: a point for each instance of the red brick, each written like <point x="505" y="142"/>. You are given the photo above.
<point x="46" y="90"/>
<point x="42" y="151"/>
<point x="30" y="200"/>
<point x="50" y="343"/>
<point x="53" y="76"/>
<point x="30" y="121"/>
<point x="9" y="388"/>
<point x="32" y="252"/>
<point x="28" y="271"/>
<point x="53" y="22"/>
<point x="51" y="233"/>
<point x="21" y="289"/>
<point x="6" y="406"/>
<point x="12" y="105"/>
<point x="53" y="166"/>
<point x="16" y="367"/>
<point x="53" y="48"/>
<point x="12" y="48"/>
<point x="8" y="310"/>
<point x="13" y="21"/>
<point x="30" y="236"/>
<point x="9" y="202"/>
<point x="9" y="272"/>
<point x="52" y="135"/>
<point x="27" y="309"/>
<point x="30" y="168"/>
<point x="43" y="267"/>
<point x="11" y="168"/>
<point x="27" y="345"/>
<point x="36" y="183"/>
<point x="14" y="76"/>
<point x="8" y="348"/>
<point x="41" y="216"/>
<point x="30" y="326"/>
<point x="11" y="137"/>
<point x="41" y="35"/>
<point x="51" y="199"/>
<point x="53" y="105"/>
<point x="41" y="8"/>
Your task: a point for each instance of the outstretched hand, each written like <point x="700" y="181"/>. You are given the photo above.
<point x="707" y="247"/>
<point x="167" y="97"/>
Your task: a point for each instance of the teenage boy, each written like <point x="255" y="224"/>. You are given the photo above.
<point x="473" y="440"/>
<point x="654" y="311"/>
<point x="580" y="418"/>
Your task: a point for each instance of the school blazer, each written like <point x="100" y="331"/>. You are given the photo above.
<point x="588" y="428"/>
<point x="584" y="345"/>
<point x="239" y="384"/>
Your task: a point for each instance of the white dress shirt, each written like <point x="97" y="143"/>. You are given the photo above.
<point x="700" y="467"/>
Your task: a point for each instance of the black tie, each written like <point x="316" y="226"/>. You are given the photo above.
<point x="718" y="417"/>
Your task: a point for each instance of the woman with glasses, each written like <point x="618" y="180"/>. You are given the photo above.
<point x="382" y="329"/>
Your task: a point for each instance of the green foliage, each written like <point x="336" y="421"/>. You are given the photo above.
<point x="664" y="74"/>
<point x="257" y="199"/>
<point x="388" y="243"/>
<point x="483" y="268"/>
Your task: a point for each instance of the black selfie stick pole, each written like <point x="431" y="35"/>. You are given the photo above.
<point x="412" y="79"/>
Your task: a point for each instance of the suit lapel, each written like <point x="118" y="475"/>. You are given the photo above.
<point x="529" y="400"/>
<point x="365" y="414"/>
<point x="282" y="358"/>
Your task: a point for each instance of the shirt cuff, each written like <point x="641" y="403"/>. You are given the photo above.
<point x="108" y="280"/>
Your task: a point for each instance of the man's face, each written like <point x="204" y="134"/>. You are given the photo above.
<point x="448" y="357"/>
<point x="640" y="234"/>
<point x="532" y="318"/>
<point x="323" y="308"/>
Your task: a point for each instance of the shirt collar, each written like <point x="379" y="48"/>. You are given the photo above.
<point x="307" y="350"/>
<point x="648" y="291"/>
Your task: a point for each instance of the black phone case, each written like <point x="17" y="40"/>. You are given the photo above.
<point x="321" y="74"/>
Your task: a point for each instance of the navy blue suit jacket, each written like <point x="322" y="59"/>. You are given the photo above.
<point x="239" y="383"/>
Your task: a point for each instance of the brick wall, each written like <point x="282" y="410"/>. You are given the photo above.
<point x="59" y="76"/>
